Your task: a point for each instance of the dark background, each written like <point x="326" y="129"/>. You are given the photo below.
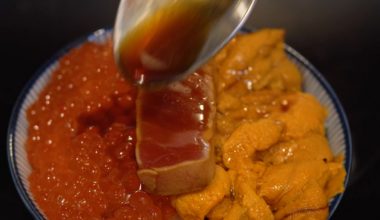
<point x="340" y="37"/>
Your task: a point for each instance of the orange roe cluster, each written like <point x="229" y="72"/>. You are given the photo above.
<point x="81" y="143"/>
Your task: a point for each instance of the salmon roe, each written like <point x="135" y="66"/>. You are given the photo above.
<point x="81" y="143"/>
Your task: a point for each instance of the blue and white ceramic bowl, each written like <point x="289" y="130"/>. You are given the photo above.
<point x="337" y="129"/>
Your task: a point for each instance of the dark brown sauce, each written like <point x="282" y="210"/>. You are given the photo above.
<point x="169" y="41"/>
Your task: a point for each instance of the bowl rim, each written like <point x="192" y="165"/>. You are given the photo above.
<point x="21" y="98"/>
<point x="16" y="111"/>
<point x="342" y="117"/>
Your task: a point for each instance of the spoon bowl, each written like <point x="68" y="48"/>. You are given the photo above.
<point x="160" y="41"/>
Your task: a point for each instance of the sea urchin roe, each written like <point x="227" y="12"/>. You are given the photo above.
<point x="270" y="137"/>
<point x="81" y="143"/>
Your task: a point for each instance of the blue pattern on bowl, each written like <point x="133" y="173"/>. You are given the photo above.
<point x="337" y="128"/>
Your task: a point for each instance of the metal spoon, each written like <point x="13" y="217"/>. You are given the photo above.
<point x="223" y="17"/>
